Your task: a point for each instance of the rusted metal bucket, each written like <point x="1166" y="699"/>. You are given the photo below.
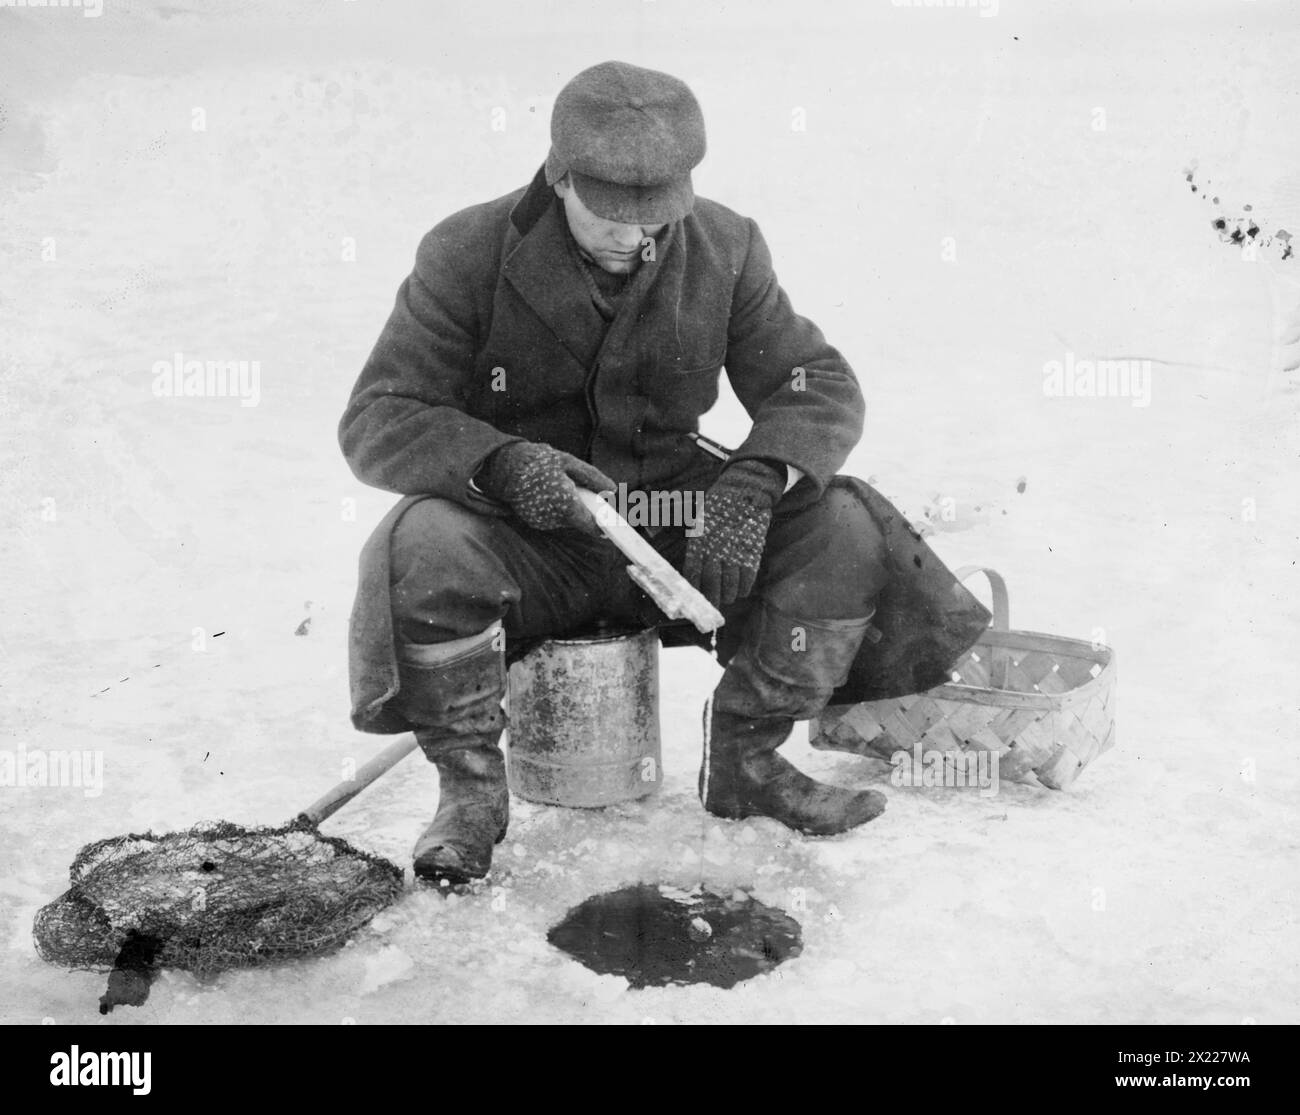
<point x="584" y="720"/>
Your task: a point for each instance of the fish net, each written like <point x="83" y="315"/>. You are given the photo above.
<point x="212" y="897"/>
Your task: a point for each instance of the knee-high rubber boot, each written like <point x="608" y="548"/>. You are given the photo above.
<point x="452" y="692"/>
<point x="785" y="671"/>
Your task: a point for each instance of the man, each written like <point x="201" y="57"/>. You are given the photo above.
<point x="572" y="333"/>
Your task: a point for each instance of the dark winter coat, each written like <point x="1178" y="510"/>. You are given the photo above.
<point x="495" y="337"/>
<point x="495" y="287"/>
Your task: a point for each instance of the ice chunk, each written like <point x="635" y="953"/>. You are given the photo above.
<point x="388" y="965"/>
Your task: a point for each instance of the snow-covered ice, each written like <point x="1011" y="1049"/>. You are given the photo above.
<point x="238" y="181"/>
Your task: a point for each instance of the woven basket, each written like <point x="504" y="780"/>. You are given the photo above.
<point x="1045" y="704"/>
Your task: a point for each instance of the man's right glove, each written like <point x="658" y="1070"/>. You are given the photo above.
<point x="538" y="482"/>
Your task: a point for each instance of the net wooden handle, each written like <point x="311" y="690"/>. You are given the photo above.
<point x="331" y="802"/>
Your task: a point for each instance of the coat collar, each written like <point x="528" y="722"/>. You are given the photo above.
<point x="535" y="201"/>
<point x="544" y="272"/>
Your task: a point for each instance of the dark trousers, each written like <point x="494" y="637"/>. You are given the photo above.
<point x="455" y="572"/>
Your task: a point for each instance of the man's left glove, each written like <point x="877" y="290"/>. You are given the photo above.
<point x="722" y="559"/>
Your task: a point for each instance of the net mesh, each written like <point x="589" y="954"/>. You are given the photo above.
<point x="212" y="897"/>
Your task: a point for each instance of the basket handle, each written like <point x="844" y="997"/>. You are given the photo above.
<point x="1001" y="618"/>
<point x="1001" y="601"/>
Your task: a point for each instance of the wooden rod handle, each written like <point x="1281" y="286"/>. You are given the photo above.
<point x="330" y="803"/>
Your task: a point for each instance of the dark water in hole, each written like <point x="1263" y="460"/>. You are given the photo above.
<point x="654" y="936"/>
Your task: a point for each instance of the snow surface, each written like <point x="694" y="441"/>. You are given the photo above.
<point x="1160" y="888"/>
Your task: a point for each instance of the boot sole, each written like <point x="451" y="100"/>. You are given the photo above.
<point x="438" y="876"/>
<point x="739" y="811"/>
<point x="453" y="876"/>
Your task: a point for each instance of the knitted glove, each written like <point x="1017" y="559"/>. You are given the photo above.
<point x="538" y="482"/>
<point x="722" y="559"/>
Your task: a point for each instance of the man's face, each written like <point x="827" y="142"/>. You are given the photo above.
<point x="613" y="246"/>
